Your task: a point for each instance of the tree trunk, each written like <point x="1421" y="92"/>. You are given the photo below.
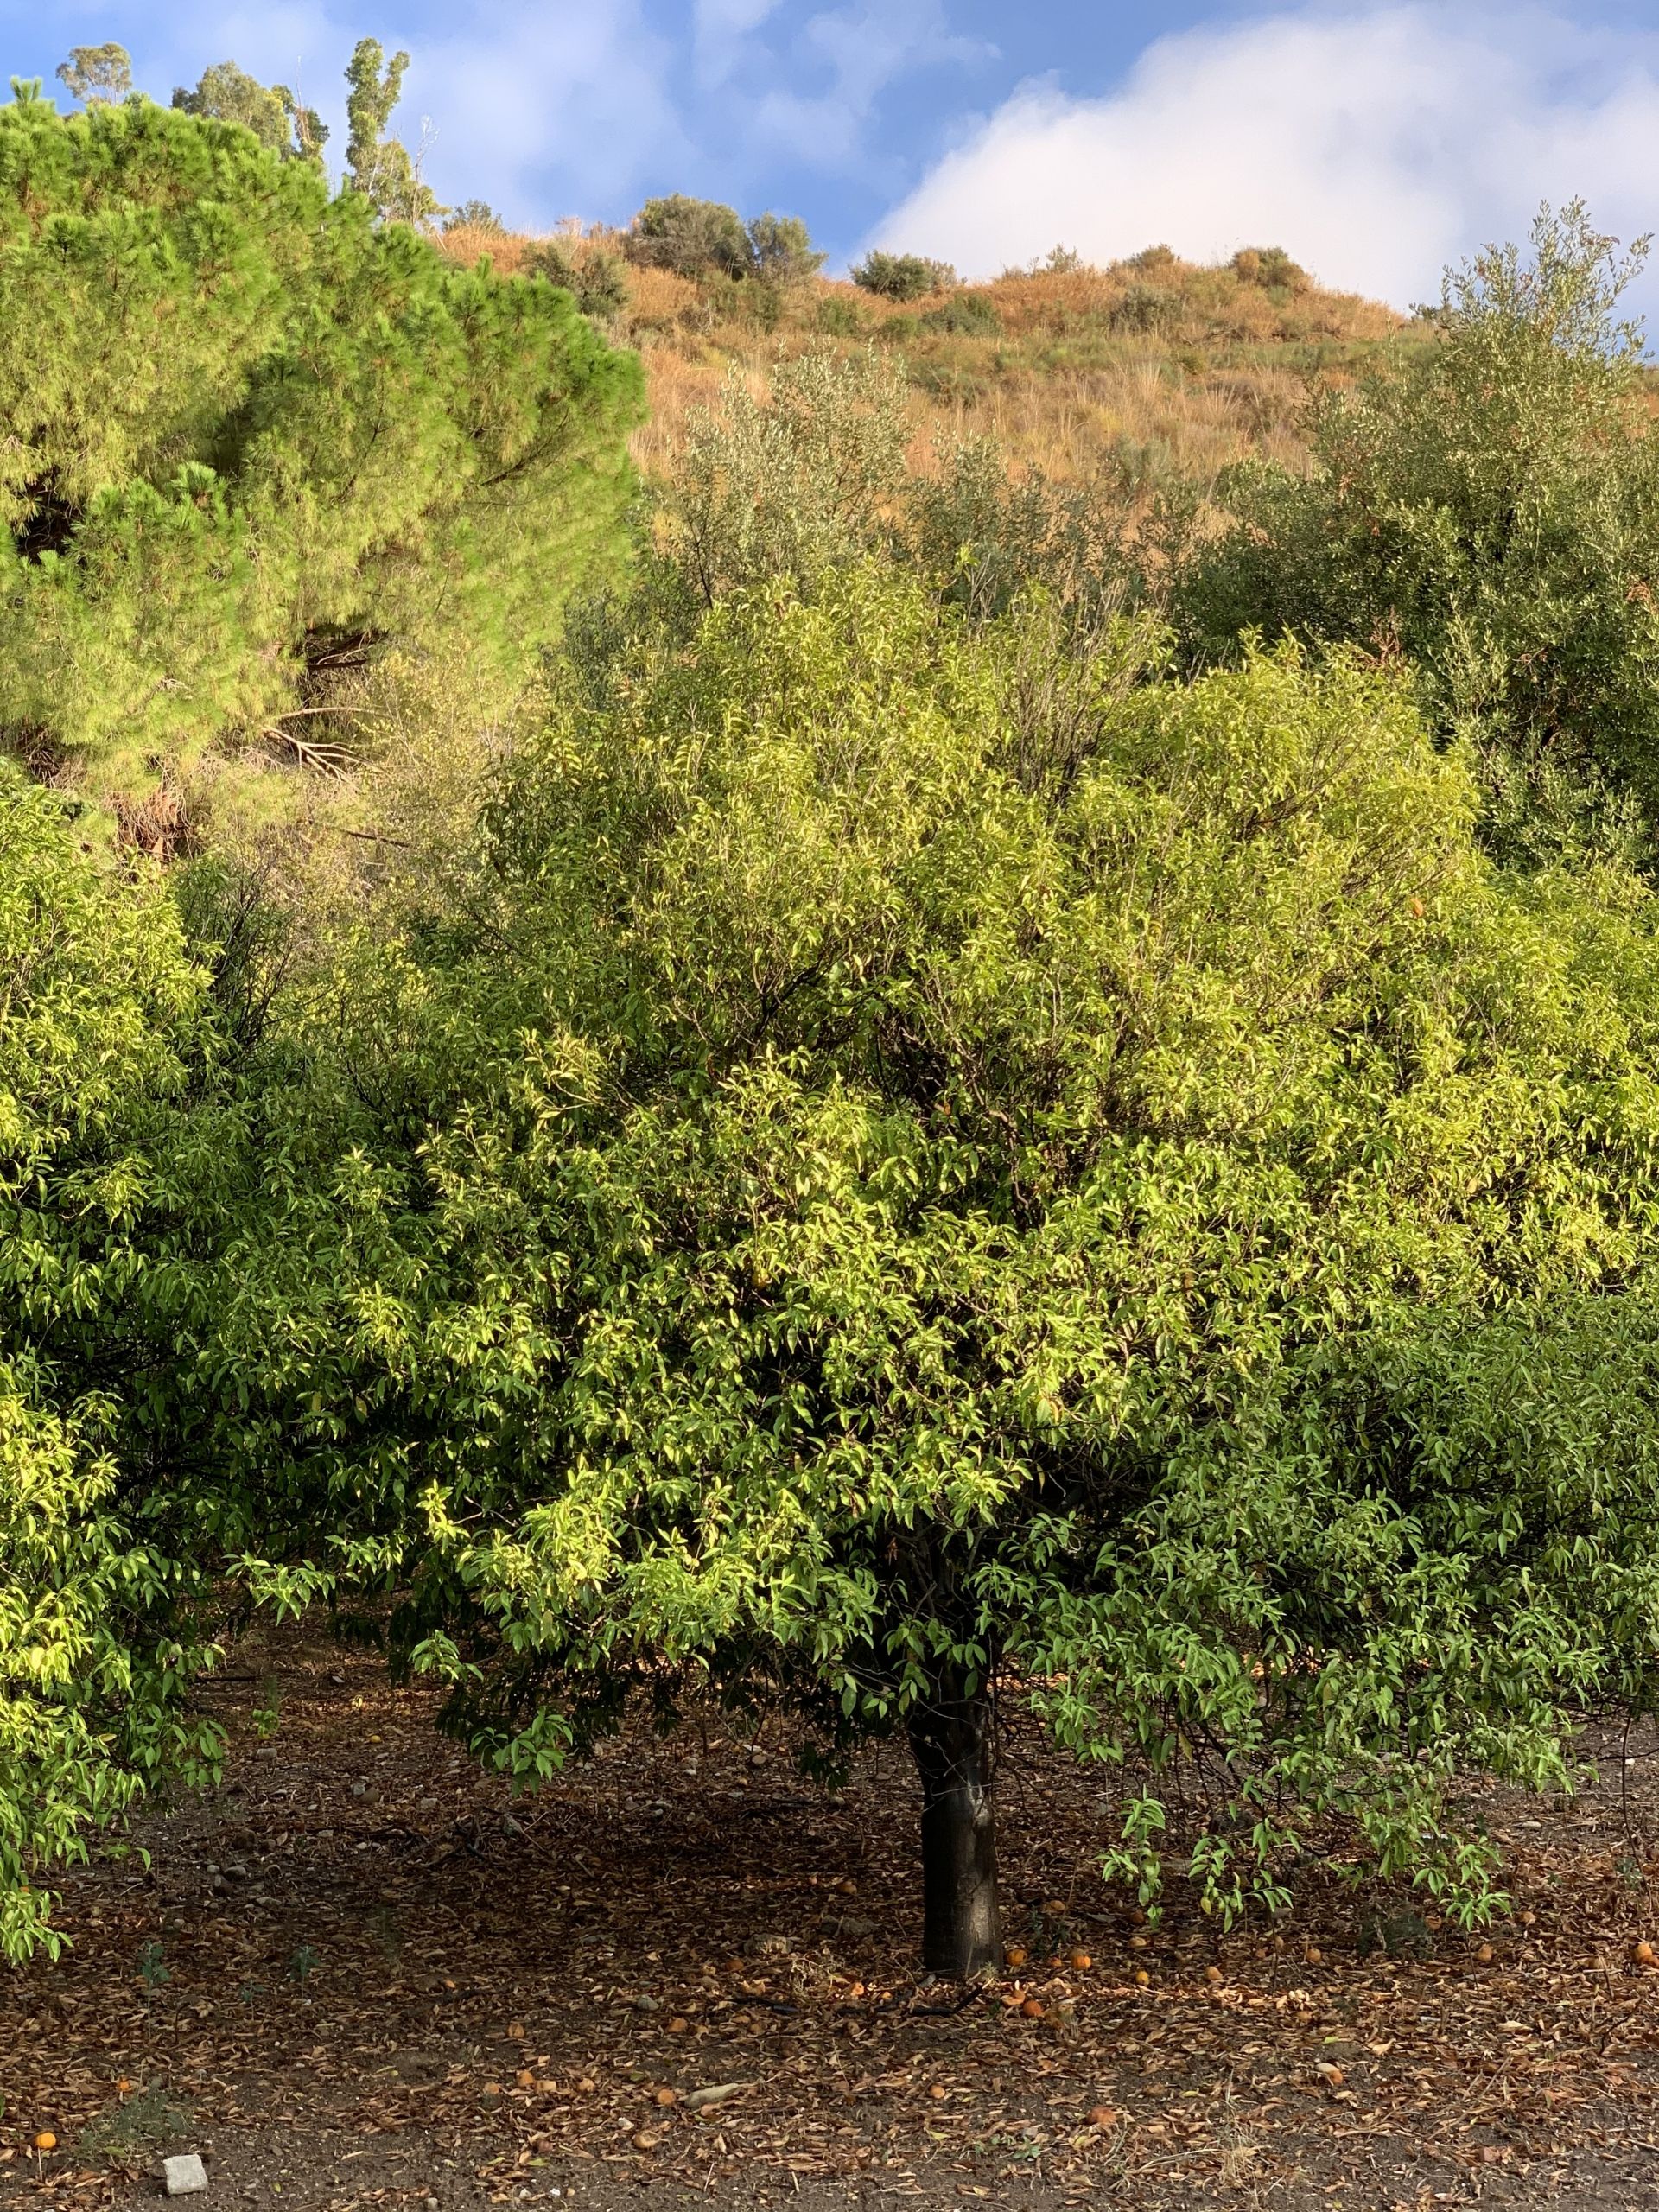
<point x="962" y="1934"/>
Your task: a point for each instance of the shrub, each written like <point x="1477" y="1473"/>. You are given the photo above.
<point x="595" y="278"/>
<point x="791" y="486"/>
<point x="474" y="215"/>
<point x="1271" y="267"/>
<point x="108" y="1048"/>
<point x="780" y="251"/>
<point x="694" y="238"/>
<point x="840" y="318"/>
<point x="903" y="275"/>
<point x="1146" y="308"/>
<point x="968" y="315"/>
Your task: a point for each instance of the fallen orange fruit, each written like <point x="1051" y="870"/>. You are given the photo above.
<point x="1032" y="2009"/>
<point x="1101" y="2116"/>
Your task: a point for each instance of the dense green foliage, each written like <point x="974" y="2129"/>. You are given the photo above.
<point x="1493" y="513"/>
<point x="104" y="1039"/>
<point x="597" y="280"/>
<point x="935" y="1140"/>
<point x="947" y="1162"/>
<point x="228" y="94"/>
<point x="703" y="237"/>
<point x="286" y="433"/>
<point x="903" y="275"/>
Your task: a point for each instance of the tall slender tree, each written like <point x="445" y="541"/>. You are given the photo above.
<point x="380" y="165"/>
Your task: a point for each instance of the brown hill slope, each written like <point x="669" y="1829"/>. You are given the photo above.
<point x="1154" y="366"/>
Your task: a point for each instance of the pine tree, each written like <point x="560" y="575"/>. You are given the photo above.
<point x="288" y="435"/>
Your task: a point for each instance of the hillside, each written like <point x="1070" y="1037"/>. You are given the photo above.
<point x="1154" y="366"/>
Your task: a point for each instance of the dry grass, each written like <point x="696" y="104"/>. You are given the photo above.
<point x="1155" y="367"/>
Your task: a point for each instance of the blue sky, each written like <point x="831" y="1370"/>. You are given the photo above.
<point x="1375" y="140"/>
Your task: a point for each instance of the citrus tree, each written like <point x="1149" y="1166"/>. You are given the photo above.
<point x="940" y="1166"/>
<point x="256" y="434"/>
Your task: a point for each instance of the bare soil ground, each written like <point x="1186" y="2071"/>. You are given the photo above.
<point x="361" y="1975"/>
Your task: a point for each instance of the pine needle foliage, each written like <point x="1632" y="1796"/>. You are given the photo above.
<point x="255" y="432"/>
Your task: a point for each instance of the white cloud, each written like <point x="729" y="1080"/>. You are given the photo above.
<point x="856" y="52"/>
<point x="584" y="97"/>
<point x="1376" y="145"/>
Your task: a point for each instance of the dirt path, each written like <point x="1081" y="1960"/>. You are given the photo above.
<point x="361" y="1976"/>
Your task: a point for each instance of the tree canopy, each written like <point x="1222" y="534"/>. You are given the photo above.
<point x="1491" y="510"/>
<point x="276" y="117"/>
<point x="286" y="433"/>
<point x="962" y="1165"/>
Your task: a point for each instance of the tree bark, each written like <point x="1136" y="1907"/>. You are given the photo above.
<point x="962" y="1934"/>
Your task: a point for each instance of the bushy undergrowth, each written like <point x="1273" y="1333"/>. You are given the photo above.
<point x="975" y="1086"/>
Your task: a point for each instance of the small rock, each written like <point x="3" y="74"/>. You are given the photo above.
<point x="184" y="2175"/>
<point x="646" y="2005"/>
